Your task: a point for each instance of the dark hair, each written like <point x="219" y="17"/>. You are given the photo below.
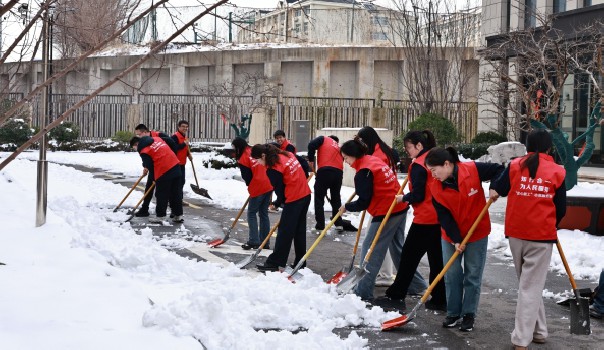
<point x="537" y="141"/>
<point x="370" y="137"/>
<point x="134" y="140"/>
<point x="142" y="127"/>
<point x="337" y="139"/>
<point x="437" y="156"/>
<point x="354" y="148"/>
<point x="271" y="153"/>
<point x="240" y="144"/>
<point x="425" y="137"/>
<point x="181" y="122"/>
<point x="279" y="133"/>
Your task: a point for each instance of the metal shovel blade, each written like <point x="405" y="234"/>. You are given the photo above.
<point x="200" y="191"/>
<point x="401" y="321"/>
<point x="218" y="241"/>
<point x="579" y="317"/>
<point x="245" y="262"/>
<point x="350" y="282"/>
<point x="584" y="292"/>
<point x="338" y="277"/>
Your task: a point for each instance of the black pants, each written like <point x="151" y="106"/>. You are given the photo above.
<point x="182" y="176"/>
<point x="328" y="179"/>
<point x="169" y="190"/>
<point x="149" y="197"/>
<point x="292" y="227"/>
<point x="421" y="239"/>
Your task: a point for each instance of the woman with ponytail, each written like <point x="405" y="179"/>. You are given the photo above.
<point x="458" y="198"/>
<point x="376" y="185"/>
<point x="291" y="187"/>
<point x="534" y="181"/>
<point x="424" y="234"/>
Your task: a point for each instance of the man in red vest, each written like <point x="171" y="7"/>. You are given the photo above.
<point x="140" y="131"/>
<point x="283" y="142"/>
<point x="181" y="139"/>
<point x="159" y="159"/>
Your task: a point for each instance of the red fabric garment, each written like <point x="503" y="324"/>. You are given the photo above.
<point x="424" y="212"/>
<point x="329" y="154"/>
<point x="377" y="152"/>
<point x="294" y="179"/>
<point x="181" y="154"/>
<point x="260" y="183"/>
<point x="161" y="154"/>
<point x="385" y="185"/>
<point x="154" y="133"/>
<point x="466" y="204"/>
<point x="531" y="213"/>
<point x="285" y="144"/>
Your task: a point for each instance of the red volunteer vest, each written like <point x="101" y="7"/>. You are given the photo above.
<point x="537" y="194"/>
<point x="154" y="133"/>
<point x="377" y="152"/>
<point x="465" y="205"/>
<point x="296" y="186"/>
<point x="260" y="183"/>
<point x="329" y="154"/>
<point x="385" y="186"/>
<point x="423" y="212"/>
<point x="285" y="144"/>
<point x="182" y="153"/>
<point x="163" y="157"/>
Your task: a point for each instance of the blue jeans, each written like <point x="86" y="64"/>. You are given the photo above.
<point x="599" y="297"/>
<point x="393" y="237"/>
<point x="463" y="284"/>
<point x="258" y="206"/>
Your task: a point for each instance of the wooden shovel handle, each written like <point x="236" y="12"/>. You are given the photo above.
<point x="384" y="221"/>
<point x="144" y="196"/>
<point x="240" y="212"/>
<point x="456" y="253"/>
<point x="268" y="236"/>
<point x="356" y="242"/>
<point x="193" y="166"/>
<point x="128" y="194"/>
<point x="563" y="257"/>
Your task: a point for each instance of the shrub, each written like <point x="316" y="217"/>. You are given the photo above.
<point x="472" y="150"/>
<point x="123" y="136"/>
<point x="65" y="132"/>
<point x="15" y="131"/>
<point x="443" y="129"/>
<point x="490" y="137"/>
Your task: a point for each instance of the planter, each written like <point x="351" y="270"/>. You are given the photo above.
<point x="585" y="214"/>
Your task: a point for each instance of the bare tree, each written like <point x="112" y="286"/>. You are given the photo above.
<point x="237" y="100"/>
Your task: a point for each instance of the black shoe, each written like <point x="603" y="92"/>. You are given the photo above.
<point x="430" y="305"/>
<point x="388" y="303"/>
<point x="451" y="321"/>
<point x="319" y="227"/>
<point x="171" y="216"/>
<point x="267" y="267"/>
<point x="142" y="213"/>
<point x="248" y="246"/>
<point x="595" y="313"/>
<point x="347" y="226"/>
<point x="467" y="324"/>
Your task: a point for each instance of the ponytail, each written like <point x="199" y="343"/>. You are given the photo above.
<point x="537" y="141"/>
<point x="425" y="137"/>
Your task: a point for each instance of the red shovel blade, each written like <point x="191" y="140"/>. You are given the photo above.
<point x="396" y="322"/>
<point x="339" y="276"/>
<point x="215" y="243"/>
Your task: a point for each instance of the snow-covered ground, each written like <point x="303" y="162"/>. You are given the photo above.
<point x="83" y="280"/>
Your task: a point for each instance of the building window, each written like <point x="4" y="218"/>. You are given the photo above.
<point x="530" y="7"/>
<point x="379" y="36"/>
<point x="379" y="20"/>
<point x="306" y="10"/>
<point x="559" y="6"/>
<point x="297" y="28"/>
<point x="586" y="3"/>
<point x="298" y="13"/>
<point x="305" y="27"/>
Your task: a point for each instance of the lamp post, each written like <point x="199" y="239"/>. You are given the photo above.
<point x="42" y="165"/>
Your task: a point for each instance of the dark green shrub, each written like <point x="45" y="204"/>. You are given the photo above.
<point x="472" y="150"/>
<point x="65" y="132"/>
<point x="15" y="131"/>
<point x="123" y="136"/>
<point x="489" y="137"/>
<point x="69" y="146"/>
<point x="219" y="163"/>
<point x="443" y="129"/>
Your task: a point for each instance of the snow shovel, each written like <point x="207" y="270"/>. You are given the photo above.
<point x="243" y="263"/>
<point x="339" y="276"/>
<point x="128" y="194"/>
<point x="215" y="243"/>
<point x="292" y="273"/>
<point x="354" y="277"/>
<point x="579" y="308"/>
<point x="403" y="320"/>
<point x="200" y="191"/>
<point x="140" y="201"/>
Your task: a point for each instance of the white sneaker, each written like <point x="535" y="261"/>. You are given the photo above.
<point x="157" y="219"/>
<point x="383" y="282"/>
<point x="178" y="219"/>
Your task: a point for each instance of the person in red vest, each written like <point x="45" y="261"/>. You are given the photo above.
<point x="329" y="172"/>
<point x="378" y="148"/>
<point x="181" y="139"/>
<point x="376" y="186"/>
<point x="283" y="142"/>
<point x="293" y="193"/>
<point x="458" y="198"/>
<point x="140" y="131"/>
<point x="534" y="181"/>
<point x="259" y="187"/>
<point x="161" y="160"/>
<point x="424" y="234"/>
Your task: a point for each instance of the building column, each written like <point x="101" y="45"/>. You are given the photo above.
<point x="320" y="79"/>
<point x="178" y="82"/>
<point x="365" y="78"/>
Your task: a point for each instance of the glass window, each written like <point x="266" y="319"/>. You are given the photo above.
<point x="529" y="13"/>
<point x="559" y="6"/>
